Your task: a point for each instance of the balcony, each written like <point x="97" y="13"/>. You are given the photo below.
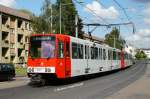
<point x="5" y="59"/>
<point x="26" y="46"/>
<point x="5" y="43"/>
<point x="12" y="52"/>
<point x="20" y="45"/>
<point x="20" y="31"/>
<point x="12" y="38"/>
<point x="5" y="28"/>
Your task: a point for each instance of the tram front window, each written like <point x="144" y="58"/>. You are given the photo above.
<point x="42" y="47"/>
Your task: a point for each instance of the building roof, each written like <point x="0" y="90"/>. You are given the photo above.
<point x="144" y="48"/>
<point x="95" y="38"/>
<point x="14" y="12"/>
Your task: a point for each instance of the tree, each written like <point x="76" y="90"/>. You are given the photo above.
<point x="113" y="39"/>
<point x="42" y="23"/>
<point x="140" y="55"/>
<point x="69" y="13"/>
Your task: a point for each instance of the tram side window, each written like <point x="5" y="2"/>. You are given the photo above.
<point x="92" y="52"/>
<point x="86" y="52"/>
<point x="77" y="51"/>
<point x="104" y="54"/>
<point x="67" y="50"/>
<point x="109" y="55"/>
<point x="80" y="51"/>
<point x="74" y="51"/>
<point x="60" y="49"/>
<point x="119" y="55"/>
<point x="96" y="53"/>
<point x="99" y="53"/>
<point x="114" y="55"/>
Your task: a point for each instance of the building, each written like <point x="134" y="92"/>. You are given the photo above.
<point x="15" y="29"/>
<point x="96" y="39"/>
<point x="130" y="49"/>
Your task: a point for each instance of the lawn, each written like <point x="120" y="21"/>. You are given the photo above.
<point x="20" y="71"/>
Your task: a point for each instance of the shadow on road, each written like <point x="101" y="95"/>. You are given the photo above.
<point x="68" y="81"/>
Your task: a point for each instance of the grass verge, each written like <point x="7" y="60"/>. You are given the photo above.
<point x="20" y="71"/>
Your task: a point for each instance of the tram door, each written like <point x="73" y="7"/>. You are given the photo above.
<point x="67" y="58"/>
<point x="122" y="60"/>
<point x="87" y="56"/>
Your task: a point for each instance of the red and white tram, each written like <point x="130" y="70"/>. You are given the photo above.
<point x="62" y="56"/>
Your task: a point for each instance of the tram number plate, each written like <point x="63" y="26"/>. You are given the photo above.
<point x="40" y="70"/>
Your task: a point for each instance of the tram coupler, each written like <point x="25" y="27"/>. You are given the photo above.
<point x="38" y="79"/>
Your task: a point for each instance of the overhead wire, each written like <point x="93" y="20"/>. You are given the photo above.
<point x="120" y="17"/>
<point x="123" y="9"/>
<point x="92" y="11"/>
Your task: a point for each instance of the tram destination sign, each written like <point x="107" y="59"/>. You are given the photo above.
<point x="43" y="38"/>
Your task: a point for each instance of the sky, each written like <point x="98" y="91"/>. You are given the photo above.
<point x="105" y="12"/>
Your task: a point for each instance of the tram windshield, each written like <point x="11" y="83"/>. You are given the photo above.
<point x="42" y="47"/>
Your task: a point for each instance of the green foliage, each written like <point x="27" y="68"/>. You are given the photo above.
<point x="42" y="22"/>
<point x="20" y="71"/>
<point x="140" y="55"/>
<point x="113" y="39"/>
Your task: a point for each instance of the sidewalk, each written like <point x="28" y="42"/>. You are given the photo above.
<point x="140" y="89"/>
<point x="18" y="81"/>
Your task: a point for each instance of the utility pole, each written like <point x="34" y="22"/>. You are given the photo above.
<point x="60" y="18"/>
<point x="51" y="17"/>
<point x="76" y="24"/>
<point x="114" y="41"/>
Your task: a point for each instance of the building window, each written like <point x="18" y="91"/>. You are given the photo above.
<point x="4" y="19"/>
<point x="27" y="39"/>
<point x="30" y="28"/>
<point x="19" y="23"/>
<point x="26" y="25"/>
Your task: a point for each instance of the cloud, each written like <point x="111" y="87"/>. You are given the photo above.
<point x="147" y="20"/>
<point x="8" y="3"/>
<point x="146" y="11"/>
<point x="142" y="1"/>
<point x="144" y="33"/>
<point x="141" y="38"/>
<point x="132" y="10"/>
<point x="108" y="13"/>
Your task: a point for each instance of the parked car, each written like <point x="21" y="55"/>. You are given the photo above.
<point x="7" y="71"/>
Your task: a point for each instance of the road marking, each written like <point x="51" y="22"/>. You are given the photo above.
<point x="68" y="87"/>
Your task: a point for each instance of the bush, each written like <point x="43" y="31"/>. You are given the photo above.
<point x="21" y="71"/>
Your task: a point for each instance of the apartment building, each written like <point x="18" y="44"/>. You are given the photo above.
<point x="15" y="29"/>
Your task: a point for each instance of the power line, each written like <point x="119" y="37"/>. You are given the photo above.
<point x="95" y="14"/>
<point x="119" y="17"/>
<point x="123" y="9"/>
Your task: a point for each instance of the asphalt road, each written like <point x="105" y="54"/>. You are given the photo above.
<point x="96" y="88"/>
